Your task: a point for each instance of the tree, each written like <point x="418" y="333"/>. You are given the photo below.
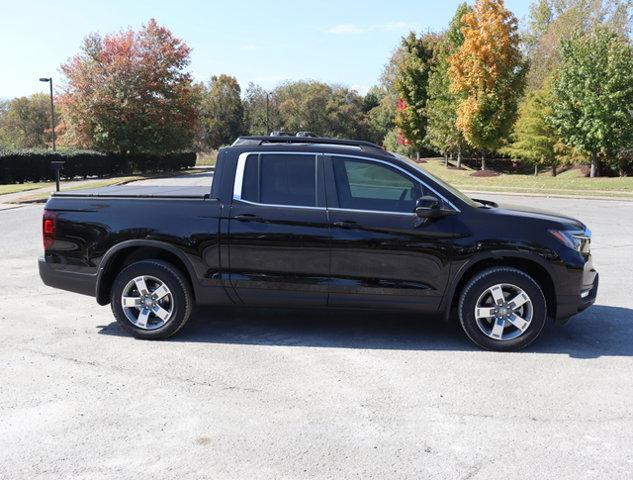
<point x="594" y="95"/>
<point x="379" y="111"/>
<point x="487" y="73"/>
<point x="552" y="22"/>
<point x="25" y="122"/>
<point x="129" y="92"/>
<point x="534" y="140"/>
<point x="442" y="132"/>
<point x="412" y="83"/>
<point x="326" y="110"/>
<point x="321" y="108"/>
<point x="345" y="114"/>
<point x="302" y="105"/>
<point x="222" y="112"/>
<point x="260" y="111"/>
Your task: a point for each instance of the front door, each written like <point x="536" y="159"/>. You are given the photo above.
<point x="383" y="255"/>
<point x="279" y="231"/>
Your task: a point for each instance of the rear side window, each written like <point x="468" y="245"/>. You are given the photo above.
<point x="280" y="179"/>
<point x="367" y="185"/>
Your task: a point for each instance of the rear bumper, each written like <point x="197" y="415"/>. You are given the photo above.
<point x="569" y="305"/>
<point x="76" y="282"/>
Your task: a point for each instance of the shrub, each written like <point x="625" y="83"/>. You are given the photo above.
<point x="33" y="165"/>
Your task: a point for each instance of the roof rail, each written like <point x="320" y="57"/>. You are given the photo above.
<point x="254" y="140"/>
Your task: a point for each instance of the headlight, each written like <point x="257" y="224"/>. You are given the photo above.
<point x="575" y="239"/>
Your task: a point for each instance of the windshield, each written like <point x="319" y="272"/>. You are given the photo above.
<point x="464" y="198"/>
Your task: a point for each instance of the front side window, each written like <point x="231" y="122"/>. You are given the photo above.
<point x="367" y="185"/>
<point x="280" y="179"/>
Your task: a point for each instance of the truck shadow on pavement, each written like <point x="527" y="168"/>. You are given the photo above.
<point x="599" y="331"/>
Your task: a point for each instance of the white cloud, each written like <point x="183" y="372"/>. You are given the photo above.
<point x="250" y="47"/>
<point x="345" y="28"/>
<point x="390" y="26"/>
<point x="351" y="28"/>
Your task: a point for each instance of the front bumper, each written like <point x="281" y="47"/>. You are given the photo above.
<point x="76" y="282"/>
<point x="569" y="305"/>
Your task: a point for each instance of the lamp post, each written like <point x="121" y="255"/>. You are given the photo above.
<point x="268" y="94"/>
<point x="50" y="81"/>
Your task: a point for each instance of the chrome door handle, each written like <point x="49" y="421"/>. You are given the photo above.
<point x="246" y="217"/>
<point x="346" y="224"/>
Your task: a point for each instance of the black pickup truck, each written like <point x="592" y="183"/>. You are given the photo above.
<point x="315" y="222"/>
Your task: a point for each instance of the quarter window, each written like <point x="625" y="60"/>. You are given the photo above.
<point x="280" y="179"/>
<point x="367" y="185"/>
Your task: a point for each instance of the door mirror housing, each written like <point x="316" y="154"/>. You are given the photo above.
<point x="428" y="206"/>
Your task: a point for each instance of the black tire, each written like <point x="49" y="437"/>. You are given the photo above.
<point x="476" y="287"/>
<point x="179" y="288"/>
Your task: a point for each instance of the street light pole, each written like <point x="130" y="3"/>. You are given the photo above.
<point x="267" y="106"/>
<point x="50" y="81"/>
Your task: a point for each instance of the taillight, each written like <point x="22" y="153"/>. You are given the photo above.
<point x="48" y="229"/>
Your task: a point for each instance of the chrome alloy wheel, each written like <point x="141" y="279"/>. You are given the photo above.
<point x="147" y="302"/>
<point x="503" y="311"/>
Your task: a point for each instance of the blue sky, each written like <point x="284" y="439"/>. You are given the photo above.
<point x="263" y="42"/>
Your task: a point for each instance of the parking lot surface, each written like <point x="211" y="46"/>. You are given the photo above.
<point x="263" y="394"/>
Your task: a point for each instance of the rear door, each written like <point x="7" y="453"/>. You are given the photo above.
<point x="382" y="254"/>
<point x="279" y="232"/>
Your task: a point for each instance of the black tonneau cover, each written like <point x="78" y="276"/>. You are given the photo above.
<point x="125" y="191"/>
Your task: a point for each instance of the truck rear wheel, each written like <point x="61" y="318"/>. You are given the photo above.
<point x="502" y="309"/>
<point x="151" y="299"/>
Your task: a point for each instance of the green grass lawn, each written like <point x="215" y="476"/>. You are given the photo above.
<point x="21" y="187"/>
<point x="571" y="182"/>
<point x="39" y="196"/>
<point x="25" y="187"/>
<point x="66" y="185"/>
<point x="207" y="159"/>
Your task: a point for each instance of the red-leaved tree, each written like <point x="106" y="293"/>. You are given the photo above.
<point x="129" y="92"/>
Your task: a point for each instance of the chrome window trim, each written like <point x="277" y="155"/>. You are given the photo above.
<point x="386" y="212"/>
<point x="241" y="165"/>
<point x="280" y="206"/>
<point x="452" y="205"/>
<point x="239" y="175"/>
<point x="239" y="178"/>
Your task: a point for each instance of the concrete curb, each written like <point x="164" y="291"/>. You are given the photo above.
<point x="549" y="195"/>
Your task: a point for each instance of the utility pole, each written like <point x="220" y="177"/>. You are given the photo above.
<point x="50" y="82"/>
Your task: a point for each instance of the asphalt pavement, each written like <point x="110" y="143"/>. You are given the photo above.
<point x="265" y="394"/>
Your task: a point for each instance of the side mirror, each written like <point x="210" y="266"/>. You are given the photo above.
<point x="427" y="207"/>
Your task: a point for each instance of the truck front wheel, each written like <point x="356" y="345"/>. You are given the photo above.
<point x="151" y="299"/>
<point x="502" y="308"/>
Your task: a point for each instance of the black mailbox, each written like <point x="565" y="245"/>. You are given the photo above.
<point x="57" y="166"/>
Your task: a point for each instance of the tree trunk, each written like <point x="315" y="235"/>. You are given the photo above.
<point x="483" y="162"/>
<point x="417" y="155"/>
<point x="595" y="171"/>
<point x="459" y="156"/>
<point x="535" y="170"/>
<point x="554" y="172"/>
<point x="445" y="158"/>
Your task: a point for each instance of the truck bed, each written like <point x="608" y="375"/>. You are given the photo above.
<point x="131" y="191"/>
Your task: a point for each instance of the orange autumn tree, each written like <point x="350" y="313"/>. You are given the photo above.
<point x="487" y="73"/>
<point x="130" y="92"/>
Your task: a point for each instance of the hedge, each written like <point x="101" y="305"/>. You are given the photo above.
<point x="34" y="166"/>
